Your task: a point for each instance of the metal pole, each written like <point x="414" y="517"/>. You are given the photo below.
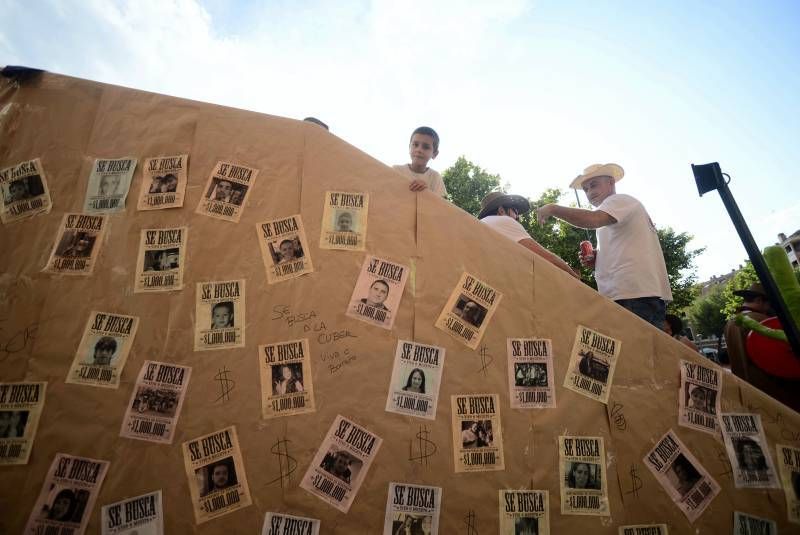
<point x="705" y="183"/>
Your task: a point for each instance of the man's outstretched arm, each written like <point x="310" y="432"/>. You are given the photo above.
<point x="577" y="217"/>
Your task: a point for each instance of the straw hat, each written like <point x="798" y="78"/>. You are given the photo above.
<point x="598" y="169"/>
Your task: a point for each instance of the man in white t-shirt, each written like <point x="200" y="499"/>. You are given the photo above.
<point x="628" y="262"/>
<point x="422" y="148"/>
<point x="501" y="212"/>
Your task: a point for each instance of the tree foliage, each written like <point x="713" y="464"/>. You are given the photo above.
<point x="741" y="280"/>
<point x="706" y="313"/>
<point x="679" y="260"/>
<point x="557" y="236"/>
<point x="467" y="184"/>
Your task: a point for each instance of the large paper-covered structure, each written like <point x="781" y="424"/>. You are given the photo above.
<point x="68" y="123"/>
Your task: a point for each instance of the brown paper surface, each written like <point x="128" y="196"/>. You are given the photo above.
<point x="64" y="121"/>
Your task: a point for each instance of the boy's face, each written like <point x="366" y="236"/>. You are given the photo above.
<point x="421" y="149"/>
<point x="221" y="317"/>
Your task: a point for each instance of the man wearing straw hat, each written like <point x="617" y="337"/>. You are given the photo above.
<point x="628" y="262"/>
<point x="501" y="212"/>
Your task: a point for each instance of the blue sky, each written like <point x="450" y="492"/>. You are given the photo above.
<point x="534" y="91"/>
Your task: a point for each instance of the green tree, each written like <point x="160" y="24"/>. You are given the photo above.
<point x="679" y="260"/>
<point x="557" y="236"/>
<point x="741" y="280"/>
<point x="467" y="184"/>
<point x="706" y="313"/>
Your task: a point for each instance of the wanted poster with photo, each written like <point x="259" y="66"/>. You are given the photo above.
<point x="644" y="529"/>
<point x="689" y="485"/>
<point x="468" y="310"/>
<point x="286" y="384"/>
<point x="20" y="407"/>
<point x="65" y="503"/>
<point x="582" y="470"/>
<point x="592" y="364"/>
<point x="284" y="248"/>
<point x="141" y="515"/>
<point x="699" y="397"/>
<point x="412" y="509"/>
<point x="156" y="402"/>
<point x="344" y="221"/>
<point x="789" y="469"/>
<point x="163" y="182"/>
<point x="226" y="191"/>
<point x="744" y="524"/>
<point x="162" y="255"/>
<point x="748" y="451"/>
<point x="477" y="436"/>
<point x="108" y="186"/>
<point x="341" y="463"/>
<point x="377" y="293"/>
<point x="416" y="376"/>
<point x="77" y="244"/>
<point x="215" y="470"/>
<point x="103" y="350"/>
<point x="283" y="524"/>
<point x="219" y="315"/>
<point x="24" y="191"/>
<point x="524" y="511"/>
<point x="530" y="373"/>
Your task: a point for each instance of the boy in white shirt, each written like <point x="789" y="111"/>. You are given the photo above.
<point x="423" y="147"/>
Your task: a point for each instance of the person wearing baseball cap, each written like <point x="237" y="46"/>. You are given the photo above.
<point x="501" y="212"/>
<point x="628" y="262"/>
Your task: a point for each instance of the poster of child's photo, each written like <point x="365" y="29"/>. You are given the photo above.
<point x="222" y="315"/>
<point x="286" y="249"/>
<point x="344" y="221"/>
<point x="700" y="398"/>
<point x="287" y="378"/>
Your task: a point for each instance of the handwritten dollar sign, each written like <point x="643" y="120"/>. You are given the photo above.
<point x="636" y="482"/>
<point x="226" y="384"/>
<point x="422" y="447"/>
<point x="286" y="463"/>
<point x="486" y="360"/>
<point x="471" y="523"/>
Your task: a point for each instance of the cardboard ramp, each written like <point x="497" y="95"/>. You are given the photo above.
<point x="347" y="362"/>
